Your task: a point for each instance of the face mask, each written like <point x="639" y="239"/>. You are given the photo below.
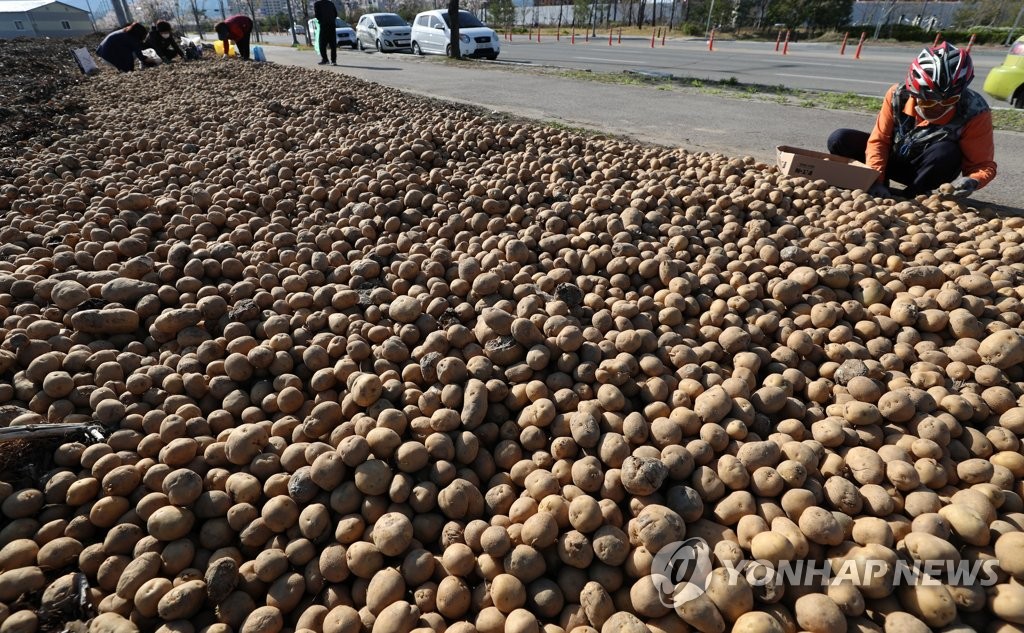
<point x="166" y="36"/>
<point x="930" y="116"/>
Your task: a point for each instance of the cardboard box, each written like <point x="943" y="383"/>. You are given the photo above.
<point x="835" y="170"/>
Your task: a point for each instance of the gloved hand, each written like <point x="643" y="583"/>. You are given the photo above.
<point x="963" y="187"/>
<point x="878" y="190"/>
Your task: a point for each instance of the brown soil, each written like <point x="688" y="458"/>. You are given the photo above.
<point x="34" y="76"/>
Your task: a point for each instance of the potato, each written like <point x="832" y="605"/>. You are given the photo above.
<point x="263" y="620"/>
<point x="17" y="554"/>
<point x="731" y="594"/>
<point x="817" y="613"/>
<point x="756" y="622"/>
<point x="700" y="613"/>
<point x="183" y="601"/>
<point x="1002" y="349"/>
<point x="933" y="604"/>
<point x="597" y="604"/>
<point x="901" y="621"/>
<point x="656" y="526"/>
<point x="820" y="526"/>
<point x="138" y="572"/>
<point x="112" y="623"/>
<point x="399" y="616"/>
<point x="625" y="623"/>
<point x="16" y="582"/>
<point x="966" y="524"/>
<point x="385" y="587"/>
<point x="1008" y="550"/>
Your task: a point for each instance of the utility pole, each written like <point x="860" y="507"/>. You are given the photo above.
<point x="291" y="24"/>
<point x="119" y="12"/>
<point x="92" y="18"/>
<point x="707" y="30"/>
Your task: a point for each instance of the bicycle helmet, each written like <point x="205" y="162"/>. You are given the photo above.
<point x="940" y="72"/>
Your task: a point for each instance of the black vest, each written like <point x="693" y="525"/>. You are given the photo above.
<point x="909" y="140"/>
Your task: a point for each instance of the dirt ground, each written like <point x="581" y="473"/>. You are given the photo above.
<point x="34" y="77"/>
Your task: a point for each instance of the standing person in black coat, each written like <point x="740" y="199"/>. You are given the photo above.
<point x="161" y="39"/>
<point x="121" y="47"/>
<point x="326" y="15"/>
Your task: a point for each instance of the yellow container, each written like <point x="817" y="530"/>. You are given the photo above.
<point x="218" y="47"/>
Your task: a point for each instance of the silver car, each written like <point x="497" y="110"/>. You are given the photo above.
<point x="387" y="32"/>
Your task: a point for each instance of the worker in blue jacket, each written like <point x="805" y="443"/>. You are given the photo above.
<point x="121" y="47"/>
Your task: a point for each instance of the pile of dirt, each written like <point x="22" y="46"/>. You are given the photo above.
<point x="34" y="75"/>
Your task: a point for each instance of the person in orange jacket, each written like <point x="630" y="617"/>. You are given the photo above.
<point x="237" y="28"/>
<point x="931" y="130"/>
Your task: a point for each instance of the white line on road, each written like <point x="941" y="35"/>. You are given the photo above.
<point x="860" y="81"/>
<point x="601" y="59"/>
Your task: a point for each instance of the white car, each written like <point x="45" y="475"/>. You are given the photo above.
<point x="343" y="31"/>
<point x="430" y="34"/>
<point x="384" y="31"/>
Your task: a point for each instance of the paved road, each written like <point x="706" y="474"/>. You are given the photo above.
<point x="809" y="65"/>
<point x="678" y="117"/>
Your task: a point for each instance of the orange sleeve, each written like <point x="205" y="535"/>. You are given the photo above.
<point x="978" y="149"/>
<point x="880" y="141"/>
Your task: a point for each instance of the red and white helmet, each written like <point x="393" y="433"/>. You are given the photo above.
<point x="940" y="72"/>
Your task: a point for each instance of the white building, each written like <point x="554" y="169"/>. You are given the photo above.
<point x="42" y="18"/>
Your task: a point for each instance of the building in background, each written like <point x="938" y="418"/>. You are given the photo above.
<point x="42" y="18"/>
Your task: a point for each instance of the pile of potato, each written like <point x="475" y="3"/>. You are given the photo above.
<point x="372" y="362"/>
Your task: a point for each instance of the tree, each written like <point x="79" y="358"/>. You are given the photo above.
<point x="761" y="7"/>
<point x="815" y="14"/>
<point x="987" y="12"/>
<point x="581" y="12"/>
<point x="503" y="13"/>
<point x="154" y="10"/>
<point x="453" y="23"/>
<point x="199" y="16"/>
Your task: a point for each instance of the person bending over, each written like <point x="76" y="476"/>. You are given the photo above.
<point x="237" y="28"/>
<point x="123" y="46"/>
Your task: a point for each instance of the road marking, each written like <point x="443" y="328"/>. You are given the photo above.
<point x="860" y="81"/>
<point x="600" y="59"/>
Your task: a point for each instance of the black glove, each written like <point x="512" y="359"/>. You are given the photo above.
<point x="878" y="190"/>
<point x="963" y="187"/>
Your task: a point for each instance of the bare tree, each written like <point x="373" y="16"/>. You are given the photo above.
<point x="154" y="10"/>
<point x="762" y="11"/>
<point x="887" y="10"/>
<point x="196" y="12"/>
<point x="251" y="7"/>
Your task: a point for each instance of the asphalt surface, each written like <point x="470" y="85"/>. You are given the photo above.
<point x="677" y="117"/>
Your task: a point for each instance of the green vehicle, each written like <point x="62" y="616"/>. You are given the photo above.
<point x="1006" y="82"/>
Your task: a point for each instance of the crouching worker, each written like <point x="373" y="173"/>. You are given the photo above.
<point x="122" y="47"/>
<point x="161" y="39"/>
<point x="237" y="28"/>
<point x="931" y="130"/>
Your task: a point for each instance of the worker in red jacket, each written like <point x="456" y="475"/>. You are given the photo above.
<point x="237" y="28"/>
<point x="930" y="131"/>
